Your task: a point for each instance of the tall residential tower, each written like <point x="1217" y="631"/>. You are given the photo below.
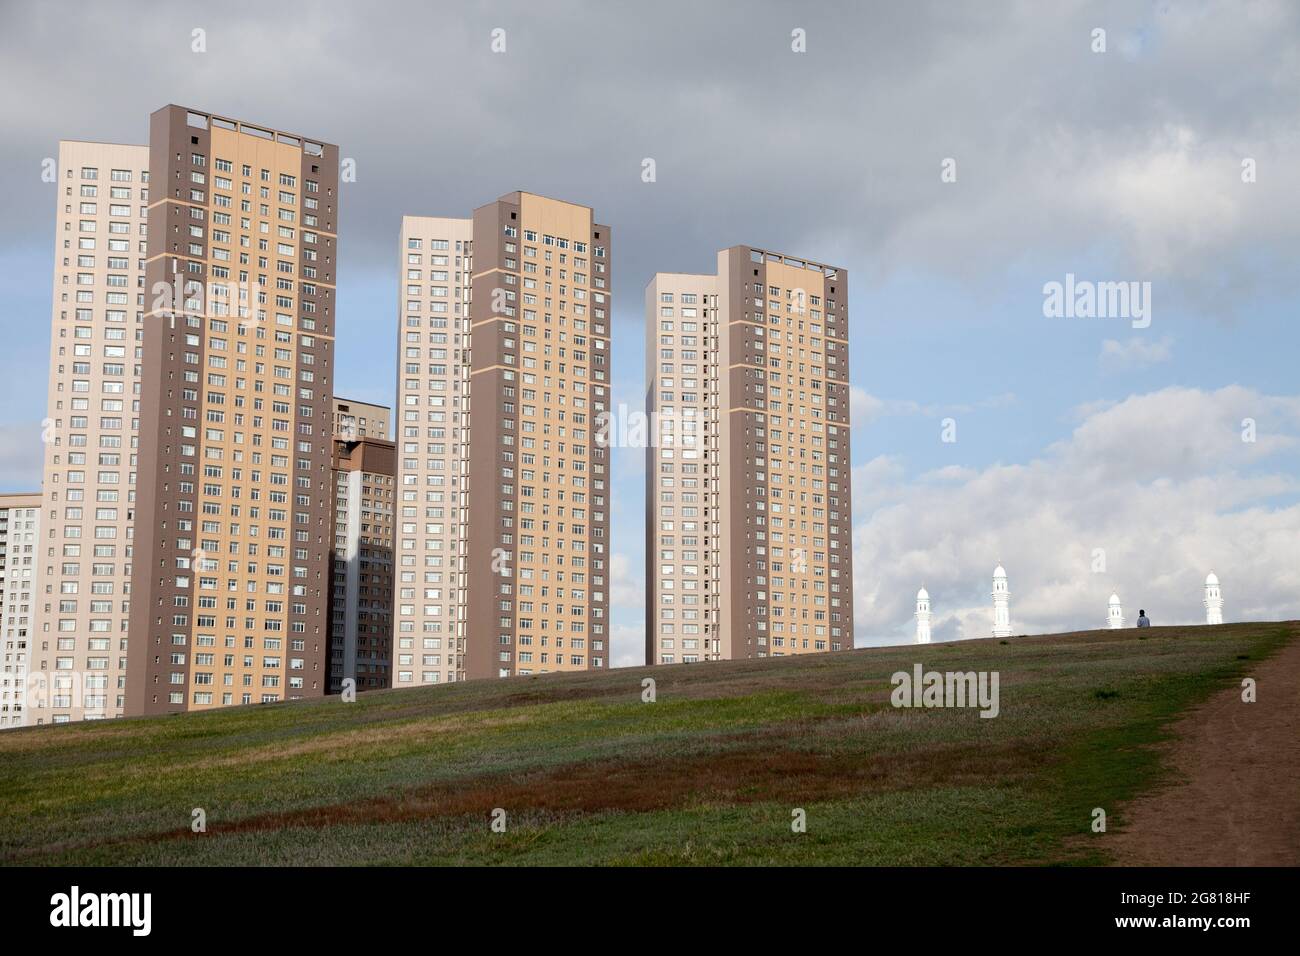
<point x="432" y="439"/>
<point x="749" y="523"/>
<point x="20" y="521"/>
<point x="78" y="648"/>
<point x="361" y="565"/>
<point x="235" y="514"/>
<point x="503" y="376"/>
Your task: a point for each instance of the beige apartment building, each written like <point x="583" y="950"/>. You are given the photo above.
<point x="432" y="439"/>
<point x="354" y="420"/>
<point x="748" y="481"/>
<point x="503" y="373"/>
<point x="235" y="515"/>
<point x="20" y="518"/>
<point x="77" y="656"/>
<point x="361" y="567"/>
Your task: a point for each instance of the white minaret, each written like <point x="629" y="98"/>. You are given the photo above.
<point x="1001" y="604"/>
<point x="923" y="616"/>
<point x="1213" y="600"/>
<point x="1114" y="613"/>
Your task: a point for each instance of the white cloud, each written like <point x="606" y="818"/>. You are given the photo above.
<point x="876" y="482"/>
<point x="1136" y="353"/>
<point x="1162" y="483"/>
<point x="1178" y="433"/>
<point x="865" y="408"/>
<point x="626" y="589"/>
<point x="1143" y="193"/>
<point x="627" y="645"/>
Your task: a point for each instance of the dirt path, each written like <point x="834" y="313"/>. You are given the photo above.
<point x="1236" y="796"/>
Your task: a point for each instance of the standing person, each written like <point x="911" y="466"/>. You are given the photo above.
<point x="1142" y="619"/>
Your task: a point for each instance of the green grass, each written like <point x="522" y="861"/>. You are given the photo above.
<point x="588" y="774"/>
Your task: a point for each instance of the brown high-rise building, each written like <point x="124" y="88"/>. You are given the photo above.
<point x="503" y="374"/>
<point x="748" y="482"/>
<point x="235" y="512"/>
<point x="361" y="568"/>
<point x="354" y="420"/>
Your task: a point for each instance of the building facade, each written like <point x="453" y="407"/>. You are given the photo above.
<point x="749" y="519"/>
<point x="683" y="470"/>
<point x="503" y="375"/>
<point x="78" y="650"/>
<point x="236" y="502"/>
<point x="353" y="420"/>
<point x="20" y="518"/>
<point x="432" y="441"/>
<point x="361" y="568"/>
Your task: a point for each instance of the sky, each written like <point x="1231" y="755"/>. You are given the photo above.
<point x="955" y="158"/>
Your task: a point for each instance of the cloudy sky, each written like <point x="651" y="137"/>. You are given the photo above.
<point x="1073" y="435"/>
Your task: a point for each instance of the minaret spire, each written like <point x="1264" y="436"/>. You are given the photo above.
<point x="1114" y="613"/>
<point x="1213" y="600"/>
<point x="923" y="616"/>
<point x="1001" y="603"/>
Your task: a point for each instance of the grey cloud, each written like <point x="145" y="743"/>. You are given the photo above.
<point x="834" y="152"/>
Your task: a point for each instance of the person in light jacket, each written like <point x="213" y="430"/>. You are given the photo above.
<point x="1142" y="619"/>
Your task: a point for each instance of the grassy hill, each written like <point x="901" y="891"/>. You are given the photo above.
<point x="589" y="774"/>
